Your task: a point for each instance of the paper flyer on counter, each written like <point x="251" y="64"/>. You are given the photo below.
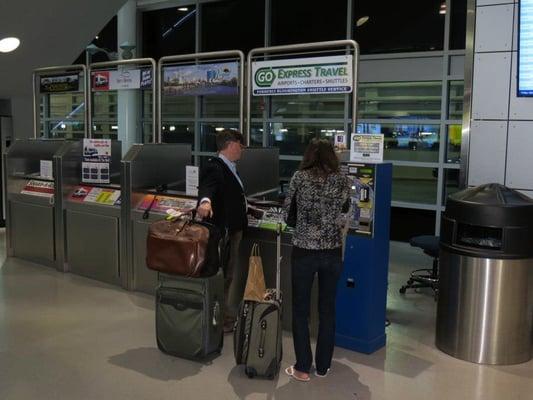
<point x="39" y="188"/>
<point x="109" y="197"/>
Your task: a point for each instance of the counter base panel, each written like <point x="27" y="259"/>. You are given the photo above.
<point x="93" y="246"/>
<point x="32" y="232"/>
<point x="144" y="279"/>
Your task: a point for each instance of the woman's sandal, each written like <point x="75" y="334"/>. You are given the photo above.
<point x="290" y="371"/>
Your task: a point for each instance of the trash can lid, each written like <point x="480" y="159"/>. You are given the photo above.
<point x="490" y="205"/>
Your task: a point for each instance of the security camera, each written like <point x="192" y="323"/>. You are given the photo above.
<point x="127" y="50"/>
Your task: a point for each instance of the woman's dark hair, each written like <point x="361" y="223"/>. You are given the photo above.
<point x="320" y="157"/>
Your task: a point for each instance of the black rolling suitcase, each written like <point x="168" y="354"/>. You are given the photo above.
<point x="257" y="336"/>
<point x="189" y="320"/>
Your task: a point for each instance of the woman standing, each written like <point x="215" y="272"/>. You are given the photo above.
<point x="321" y="194"/>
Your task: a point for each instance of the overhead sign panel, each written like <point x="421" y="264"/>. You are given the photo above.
<point x="318" y="75"/>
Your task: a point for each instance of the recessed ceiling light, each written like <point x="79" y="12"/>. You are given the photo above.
<point x="183" y="9"/>
<point x="9" y="44"/>
<point x="361" y="21"/>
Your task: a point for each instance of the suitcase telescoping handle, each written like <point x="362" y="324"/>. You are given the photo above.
<point x="278" y="261"/>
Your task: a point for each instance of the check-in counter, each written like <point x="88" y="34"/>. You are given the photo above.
<point x="31" y="187"/>
<point x="152" y="175"/>
<point x="92" y="216"/>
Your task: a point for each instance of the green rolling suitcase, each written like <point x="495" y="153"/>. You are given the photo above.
<point x="189" y="321"/>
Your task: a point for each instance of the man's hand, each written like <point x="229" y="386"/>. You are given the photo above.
<point x="204" y="210"/>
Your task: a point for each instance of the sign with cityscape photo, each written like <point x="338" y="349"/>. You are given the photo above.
<point x="317" y="75"/>
<point x="201" y="80"/>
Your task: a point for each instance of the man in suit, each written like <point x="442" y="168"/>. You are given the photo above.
<point x="223" y="201"/>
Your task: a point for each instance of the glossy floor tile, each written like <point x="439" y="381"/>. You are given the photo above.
<point x="67" y="337"/>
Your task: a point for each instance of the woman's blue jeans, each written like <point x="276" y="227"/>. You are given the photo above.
<point x="327" y="264"/>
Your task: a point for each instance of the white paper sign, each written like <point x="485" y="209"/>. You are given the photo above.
<point x="125" y="79"/>
<point x="117" y="80"/>
<point x="46" y="170"/>
<point x="192" y="180"/>
<point x="366" y="148"/>
<point x="340" y="141"/>
<point x="96" y="161"/>
<point x="319" y="75"/>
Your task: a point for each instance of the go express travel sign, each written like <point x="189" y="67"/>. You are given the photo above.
<point x="303" y="75"/>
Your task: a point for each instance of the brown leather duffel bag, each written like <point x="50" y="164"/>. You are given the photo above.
<point x="183" y="247"/>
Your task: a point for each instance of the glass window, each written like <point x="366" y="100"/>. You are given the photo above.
<point x="414" y="184"/>
<point x="305" y="21"/>
<point x="403" y="228"/>
<point x="451" y="183"/>
<point x="455" y="106"/>
<point x="105" y="129"/>
<point x="169" y="31"/>
<point x="62" y="115"/>
<point x="287" y="168"/>
<point x="453" y="148"/>
<point x="147" y="104"/>
<point x="458" y="24"/>
<point x="308" y="106"/>
<point x="63" y="128"/>
<point x="407" y="142"/>
<point x="147" y="134"/>
<point x="293" y="138"/>
<point x="234" y="24"/>
<point x="400" y="100"/>
<point x="208" y="134"/>
<point x="103" y="104"/>
<point x="65" y="105"/>
<point x="258" y="106"/>
<point x="220" y="106"/>
<point x="177" y="106"/>
<point x="182" y="132"/>
<point x="256" y="135"/>
<point x="398" y="26"/>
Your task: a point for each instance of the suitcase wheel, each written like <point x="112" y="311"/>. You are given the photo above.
<point x="250" y="372"/>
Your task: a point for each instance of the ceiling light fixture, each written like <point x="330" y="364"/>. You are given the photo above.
<point x="361" y="21"/>
<point x="183" y="9"/>
<point x="9" y="44"/>
<point x="442" y="9"/>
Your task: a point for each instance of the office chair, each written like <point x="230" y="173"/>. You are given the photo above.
<point x="426" y="277"/>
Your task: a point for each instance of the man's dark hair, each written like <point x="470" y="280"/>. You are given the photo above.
<point x="226" y="136"/>
<point x="320" y="158"/>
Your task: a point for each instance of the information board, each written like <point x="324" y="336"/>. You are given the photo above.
<point x="525" y="49"/>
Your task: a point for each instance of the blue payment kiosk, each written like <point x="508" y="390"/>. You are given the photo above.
<point x="362" y="291"/>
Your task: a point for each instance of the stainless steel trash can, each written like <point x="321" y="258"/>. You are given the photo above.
<point x="485" y="308"/>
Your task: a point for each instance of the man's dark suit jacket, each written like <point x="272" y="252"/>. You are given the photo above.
<point x="228" y="201"/>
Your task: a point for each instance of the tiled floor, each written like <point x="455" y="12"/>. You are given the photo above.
<point x="66" y="337"/>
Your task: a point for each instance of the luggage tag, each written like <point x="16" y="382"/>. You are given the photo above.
<point x="173" y="214"/>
